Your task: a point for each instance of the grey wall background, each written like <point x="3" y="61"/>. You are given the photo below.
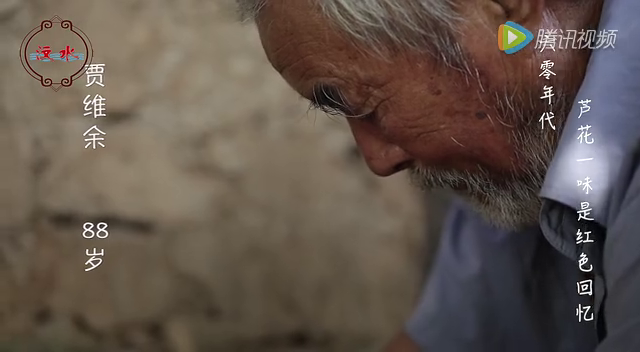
<point x="238" y="221"/>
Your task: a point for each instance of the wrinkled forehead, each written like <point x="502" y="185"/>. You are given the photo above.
<point x="295" y="30"/>
<point x="306" y="48"/>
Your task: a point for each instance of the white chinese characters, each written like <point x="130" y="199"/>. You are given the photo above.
<point x="94" y="106"/>
<point x="548" y="116"/>
<point x="94" y="231"/>
<point x="584" y="313"/>
<point x="94" y="138"/>
<point x="552" y="39"/>
<point x="583" y="236"/>
<point x="94" y="75"/>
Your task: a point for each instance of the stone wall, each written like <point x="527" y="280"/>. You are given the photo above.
<point x="238" y="220"/>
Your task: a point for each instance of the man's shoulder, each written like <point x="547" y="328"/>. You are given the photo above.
<point x="625" y="198"/>
<point x="620" y="257"/>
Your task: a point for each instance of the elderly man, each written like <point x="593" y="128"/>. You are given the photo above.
<point x="424" y="88"/>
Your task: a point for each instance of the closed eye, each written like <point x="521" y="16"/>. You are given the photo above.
<point x="332" y="102"/>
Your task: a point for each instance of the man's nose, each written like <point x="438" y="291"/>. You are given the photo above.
<point x="382" y="157"/>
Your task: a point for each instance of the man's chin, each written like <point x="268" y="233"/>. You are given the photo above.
<point x="510" y="206"/>
<point x="505" y="210"/>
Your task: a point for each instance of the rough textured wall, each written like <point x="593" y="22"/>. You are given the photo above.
<point x="238" y="221"/>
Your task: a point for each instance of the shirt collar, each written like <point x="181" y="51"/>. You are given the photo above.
<point x="612" y="83"/>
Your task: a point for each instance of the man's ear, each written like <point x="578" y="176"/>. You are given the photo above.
<point x="519" y="11"/>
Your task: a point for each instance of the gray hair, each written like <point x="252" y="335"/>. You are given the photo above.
<point x="423" y="25"/>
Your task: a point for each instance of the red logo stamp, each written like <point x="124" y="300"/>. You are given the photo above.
<point x="56" y="53"/>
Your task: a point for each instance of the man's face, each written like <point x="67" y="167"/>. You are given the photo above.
<point x="477" y="132"/>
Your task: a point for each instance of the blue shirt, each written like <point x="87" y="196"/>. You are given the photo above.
<point x="492" y="290"/>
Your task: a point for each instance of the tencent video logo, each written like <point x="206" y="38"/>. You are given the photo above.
<point x="512" y="37"/>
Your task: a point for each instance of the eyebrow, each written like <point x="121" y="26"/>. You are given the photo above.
<point x="329" y="96"/>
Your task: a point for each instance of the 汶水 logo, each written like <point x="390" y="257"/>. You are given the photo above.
<point x="56" y="53"/>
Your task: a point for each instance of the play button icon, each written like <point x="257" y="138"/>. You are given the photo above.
<point x="512" y="37"/>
